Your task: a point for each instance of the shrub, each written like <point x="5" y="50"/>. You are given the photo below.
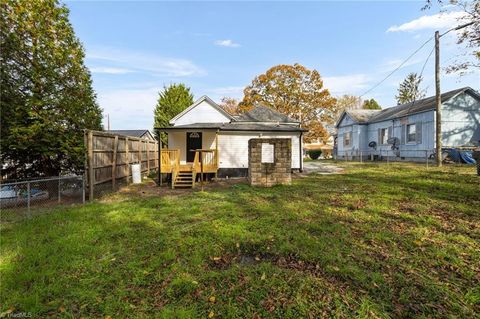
<point x="314" y="154"/>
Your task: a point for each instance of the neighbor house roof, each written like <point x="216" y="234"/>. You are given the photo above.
<point x="422" y="105"/>
<point x="236" y="126"/>
<point x="264" y="114"/>
<point x="134" y="133"/>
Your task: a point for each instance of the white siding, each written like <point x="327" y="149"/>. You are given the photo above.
<point x="202" y="113"/>
<point x="233" y="147"/>
<point x="178" y="140"/>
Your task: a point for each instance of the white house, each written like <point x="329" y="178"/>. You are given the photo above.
<point x="223" y="138"/>
<point x="407" y="131"/>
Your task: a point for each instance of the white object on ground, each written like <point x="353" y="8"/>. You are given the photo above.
<point x="136" y="174"/>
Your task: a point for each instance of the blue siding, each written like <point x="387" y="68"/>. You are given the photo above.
<point x="460" y="127"/>
<point x="461" y="121"/>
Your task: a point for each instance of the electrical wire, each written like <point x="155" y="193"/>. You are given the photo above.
<point x="397" y="68"/>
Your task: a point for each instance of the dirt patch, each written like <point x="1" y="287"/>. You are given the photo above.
<point x="151" y="188"/>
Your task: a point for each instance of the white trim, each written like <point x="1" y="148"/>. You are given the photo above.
<point x="197" y="102"/>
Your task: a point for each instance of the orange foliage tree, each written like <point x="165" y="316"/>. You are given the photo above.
<point x="230" y="105"/>
<point x="297" y="92"/>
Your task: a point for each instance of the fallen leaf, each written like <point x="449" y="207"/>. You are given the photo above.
<point x="61" y="308"/>
<point x="263" y="276"/>
<point x="216" y="258"/>
<point x="108" y="317"/>
<point x="257" y="258"/>
<point x="211" y="299"/>
<point x="211" y="314"/>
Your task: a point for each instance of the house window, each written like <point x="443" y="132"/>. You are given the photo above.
<point x="347" y="139"/>
<point x="411" y="133"/>
<point x="384" y="136"/>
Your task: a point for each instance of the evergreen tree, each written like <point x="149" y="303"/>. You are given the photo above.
<point x="46" y="91"/>
<point x="409" y="89"/>
<point x="172" y="100"/>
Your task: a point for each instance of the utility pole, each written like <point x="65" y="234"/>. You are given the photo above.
<point x="438" y="98"/>
<point x="438" y="102"/>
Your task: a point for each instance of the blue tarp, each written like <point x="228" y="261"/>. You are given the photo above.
<point x="459" y="156"/>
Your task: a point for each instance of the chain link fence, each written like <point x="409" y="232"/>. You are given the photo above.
<point x="22" y="198"/>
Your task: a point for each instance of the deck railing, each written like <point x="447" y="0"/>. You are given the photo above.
<point x="170" y="160"/>
<point x="210" y="161"/>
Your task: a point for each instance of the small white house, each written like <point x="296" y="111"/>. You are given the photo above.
<point x="407" y="131"/>
<point x="205" y="129"/>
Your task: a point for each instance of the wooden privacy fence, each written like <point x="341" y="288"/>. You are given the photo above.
<point x="109" y="157"/>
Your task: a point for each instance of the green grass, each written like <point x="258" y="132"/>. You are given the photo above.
<point x="379" y="241"/>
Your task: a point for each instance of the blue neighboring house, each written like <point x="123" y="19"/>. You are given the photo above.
<point x="407" y="131"/>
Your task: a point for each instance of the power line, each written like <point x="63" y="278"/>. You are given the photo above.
<point x="397" y="68"/>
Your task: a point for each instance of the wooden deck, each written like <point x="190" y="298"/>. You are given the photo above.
<point x="184" y="175"/>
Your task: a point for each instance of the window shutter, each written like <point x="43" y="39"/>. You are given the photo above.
<point x="404" y="132"/>
<point x="418" y="132"/>
<point x="390" y="130"/>
<point x="379" y="138"/>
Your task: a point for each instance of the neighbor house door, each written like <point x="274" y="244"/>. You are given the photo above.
<point x="194" y="142"/>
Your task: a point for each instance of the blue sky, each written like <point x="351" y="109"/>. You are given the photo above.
<point x="217" y="48"/>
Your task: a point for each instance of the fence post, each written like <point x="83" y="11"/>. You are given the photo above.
<point x="91" y="177"/>
<point x="28" y="198"/>
<point x="114" y="162"/>
<point x="147" y="145"/>
<point x="59" y="190"/>
<point x="83" y="189"/>
<point x="127" y="160"/>
<point x="426" y="157"/>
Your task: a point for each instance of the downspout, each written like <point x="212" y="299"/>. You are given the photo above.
<point x="301" y="152"/>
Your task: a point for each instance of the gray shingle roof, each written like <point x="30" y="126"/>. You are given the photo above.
<point x="423" y="105"/>
<point x="237" y="126"/>
<point x="419" y="106"/>
<point x="135" y="133"/>
<point x="264" y="114"/>
<point x="362" y="116"/>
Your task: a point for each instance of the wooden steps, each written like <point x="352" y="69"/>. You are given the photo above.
<point x="184" y="179"/>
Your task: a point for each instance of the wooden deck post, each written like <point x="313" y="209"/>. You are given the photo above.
<point x="159" y="159"/>
<point x="201" y="169"/>
<point x="216" y="154"/>
<point x="114" y="162"/>
<point x="91" y="175"/>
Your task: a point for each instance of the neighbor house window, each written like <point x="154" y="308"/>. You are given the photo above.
<point x="347" y="139"/>
<point x="384" y="136"/>
<point x="411" y="133"/>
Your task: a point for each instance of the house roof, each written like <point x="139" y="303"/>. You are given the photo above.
<point x="236" y="126"/>
<point x="197" y="102"/>
<point x="135" y="133"/>
<point x="423" y="105"/>
<point x="264" y="114"/>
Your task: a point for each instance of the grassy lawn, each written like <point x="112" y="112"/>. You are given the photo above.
<point x="379" y="241"/>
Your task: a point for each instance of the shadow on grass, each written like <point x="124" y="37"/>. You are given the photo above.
<point x="327" y="245"/>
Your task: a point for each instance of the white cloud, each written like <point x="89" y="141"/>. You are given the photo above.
<point x="346" y="84"/>
<point x="109" y="70"/>
<point x="227" y="43"/>
<point x="436" y="21"/>
<point x="113" y="58"/>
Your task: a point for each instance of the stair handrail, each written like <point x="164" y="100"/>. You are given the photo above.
<point x="175" y="162"/>
<point x="194" y="167"/>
